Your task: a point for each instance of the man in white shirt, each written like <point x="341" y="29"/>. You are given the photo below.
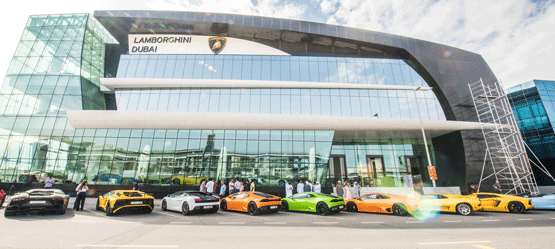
<point x="300" y="187"/>
<point x="237" y="185"/>
<point x="231" y="187"/>
<point x="317" y="187"/>
<point x="210" y="186"/>
<point x="48" y="183"/>
<point x="309" y="185"/>
<point x="288" y="189"/>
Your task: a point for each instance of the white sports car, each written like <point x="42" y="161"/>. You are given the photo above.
<point x="188" y="202"/>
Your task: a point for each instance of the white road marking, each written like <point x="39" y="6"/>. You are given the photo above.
<point x="454" y="242"/>
<point x="452" y="221"/>
<point x="181" y="222"/>
<point x="483" y="247"/>
<point x="552" y="218"/>
<point x="415" y="221"/>
<point x="173" y="215"/>
<point x="275" y="223"/>
<point x="490" y="220"/>
<point x="524" y="219"/>
<point x="372" y="222"/>
<point x="129" y="246"/>
<point x="324" y="222"/>
<point x="231" y="223"/>
<point x="244" y="215"/>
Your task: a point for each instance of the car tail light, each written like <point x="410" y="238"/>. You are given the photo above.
<point x="18" y="199"/>
<point x="264" y="200"/>
<point x="336" y="200"/>
<point x="198" y="199"/>
<point x="58" y="199"/>
<point x="217" y="199"/>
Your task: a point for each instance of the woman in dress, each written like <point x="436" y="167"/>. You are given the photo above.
<point x="347" y="194"/>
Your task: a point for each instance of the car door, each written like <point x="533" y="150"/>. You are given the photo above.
<point x="385" y="202"/>
<point x="238" y="200"/>
<point x="489" y="201"/>
<point x="369" y="203"/>
<point x="296" y="200"/>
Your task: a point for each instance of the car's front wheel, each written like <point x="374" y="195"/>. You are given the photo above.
<point x="108" y="210"/>
<point x="223" y="205"/>
<point x="516" y="207"/>
<point x="253" y="210"/>
<point x="322" y="209"/>
<point x="185" y="208"/>
<point x="164" y="205"/>
<point x="464" y="209"/>
<point x="399" y="209"/>
<point x="284" y="206"/>
<point x="352" y="207"/>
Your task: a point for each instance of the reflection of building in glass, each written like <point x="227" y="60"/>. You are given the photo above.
<point x="534" y="106"/>
<point x="282" y="100"/>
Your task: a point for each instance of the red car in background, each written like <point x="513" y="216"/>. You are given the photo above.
<point x="2" y="197"/>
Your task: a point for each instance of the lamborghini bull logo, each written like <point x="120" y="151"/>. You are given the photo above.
<point x="217" y="44"/>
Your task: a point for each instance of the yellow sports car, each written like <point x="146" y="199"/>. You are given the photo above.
<point x="504" y="203"/>
<point x="461" y="204"/>
<point x="118" y="200"/>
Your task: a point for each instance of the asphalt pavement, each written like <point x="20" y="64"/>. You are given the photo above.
<point x="227" y="229"/>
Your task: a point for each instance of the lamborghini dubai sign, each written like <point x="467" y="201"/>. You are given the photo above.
<point x="197" y="44"/>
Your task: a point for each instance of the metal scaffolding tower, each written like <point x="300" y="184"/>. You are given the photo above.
<point x="506" y="149"/>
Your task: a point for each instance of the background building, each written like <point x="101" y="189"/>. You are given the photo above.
<point x="533" y="103"/>
<point x="170" y="98"/>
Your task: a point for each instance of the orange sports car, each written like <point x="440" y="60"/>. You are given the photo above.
<point x="251" y="202"/>
<point x="382" y="203"/>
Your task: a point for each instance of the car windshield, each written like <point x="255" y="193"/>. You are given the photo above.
<point x="263" y="195"/>
<point x="197" y="193"/>
<point x="41" y="193"/>
<point x="132" y="194"/>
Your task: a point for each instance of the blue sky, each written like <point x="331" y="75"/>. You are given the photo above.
<point x="516" y="38"/>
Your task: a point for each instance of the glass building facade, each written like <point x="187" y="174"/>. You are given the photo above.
<point x="533" y="104"/>
<point x="58" y="66"/>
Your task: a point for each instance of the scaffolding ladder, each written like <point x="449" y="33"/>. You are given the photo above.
<point x="505" y="147"/>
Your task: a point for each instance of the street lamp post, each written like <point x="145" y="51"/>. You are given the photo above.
<point x="422" y="127"/>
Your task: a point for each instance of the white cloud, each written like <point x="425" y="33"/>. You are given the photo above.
<point x="514" y="37"/>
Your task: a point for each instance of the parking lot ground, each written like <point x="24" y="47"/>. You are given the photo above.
<point x="166" y="229"/>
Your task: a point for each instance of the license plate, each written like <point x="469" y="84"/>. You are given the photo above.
<point x="136" y="202"/>
<point x="341" y="206"/>
<point x="207" y="207"/>
<point x="273" y="207"/>
<point x="37" y="202"/>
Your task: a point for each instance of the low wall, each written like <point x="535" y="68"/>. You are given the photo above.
<point x="404" y="191"/>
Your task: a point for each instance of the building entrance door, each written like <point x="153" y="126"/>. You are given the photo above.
<point x="337" y="168"/>
<point x="418" y="172"/>
<point x="375" y="170"/>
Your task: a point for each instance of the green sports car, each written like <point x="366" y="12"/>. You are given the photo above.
<point x="320" y="203"/>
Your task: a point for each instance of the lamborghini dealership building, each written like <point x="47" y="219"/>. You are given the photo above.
<point x="170" y="98"/>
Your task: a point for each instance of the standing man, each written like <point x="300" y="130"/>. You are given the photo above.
<point x="135" y="186"/>
<point x="497" y="187"/>
<point x="307" y="186"/>
<point x="339" y="189"/>
<point x="231" y="187"/>
<point x="357" y="189"/>
<point x="317" y="187"/>
<point x="300" y="187"/>
<point x="48" y="183"/>
<point x="222" y="190"/>
<point x="237" y="185"/>
<point x="210" y="186"/>
<point x="288" y="189"/>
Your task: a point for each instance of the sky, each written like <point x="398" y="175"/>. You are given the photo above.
<point x="516" y="38"/>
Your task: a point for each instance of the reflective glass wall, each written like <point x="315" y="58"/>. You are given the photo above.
<point x="533" y="104"/>
<point x="327" y="102"/>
